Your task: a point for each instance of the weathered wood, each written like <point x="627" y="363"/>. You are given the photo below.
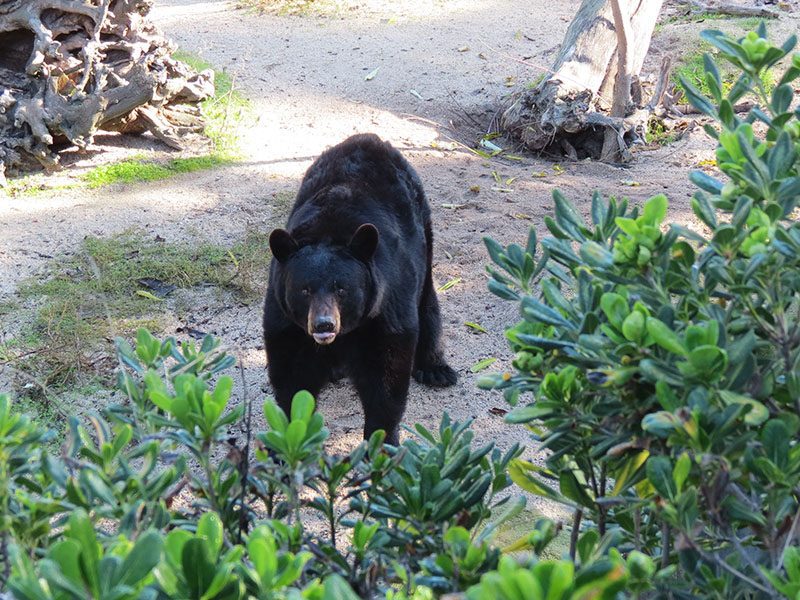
<point x="613" y="144"/>
<point x="583" y="75"/>
<point x="71" y="67"/>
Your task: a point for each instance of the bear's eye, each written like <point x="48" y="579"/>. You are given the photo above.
<point x="306" y="291"/>
<point x="341" y="292"/>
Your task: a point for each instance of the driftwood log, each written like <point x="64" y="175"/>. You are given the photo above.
<point x="71" y="67"/>
<point x="570" y="109"/>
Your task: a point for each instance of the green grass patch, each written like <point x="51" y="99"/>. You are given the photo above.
<point x="690" y="67"/>
<point x="292" y="7"/>
<point x="658" y="134"/>
<point x="225" y="111"/>
<point x="522" y="525"/>
<point x="139" y="170"/>
<point x="745" y="23"/>
<point x="33" y="185"/>
<point x="85" y="300"/>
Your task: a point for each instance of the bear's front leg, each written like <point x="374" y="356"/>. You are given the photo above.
<point x="293" y="365"/>
<point x="381" y="376"/>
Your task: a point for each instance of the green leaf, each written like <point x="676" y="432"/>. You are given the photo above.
<point x="705" y="182"/>
<point x="494" y="249"/>
<point x="633" y="327"/>
<point x="781" y="99"/>
<point x="782" y="156"/>
<point x="537" y="312"/>
<point x="571" y="488"/>
<point x="664" y="336"/>
<point x="615" y="308"/>
<point x="659" y="474"/>
<point x="655" y="209"/>
<point x="198" y="570"/>
<point x="596" y="255"/>
<point x="65" y="554"/>
<point x="502" y="291"/>
<point x="757" y="414"/>
<point x="708" y="359"/>
<point x="523" y="474"/>
<point x="483" y="364"/>
<point x="776" y="438"/>
<point x="628" y="226"/>
<point x="586" y="545"/>
<point x="295" y="434"/>
<point x="336" y="588"/>
<point x="302" y="406"/>
<point x="697" y="99"/>
<point x="275" y="416"/>
<point x="703" y="210"/>
<point x="629" y="470"/>
<point x="142" y="559"/>
<point x="681" y="471"/>
<point x="661" y="423"/>
<point x="81" y="529"/>
<point x="209" y="528"/>
<point x="173" y="545"/>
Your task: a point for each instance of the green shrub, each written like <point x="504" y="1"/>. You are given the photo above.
<point x="152" y="499"/>
<point x="660" y="367"/>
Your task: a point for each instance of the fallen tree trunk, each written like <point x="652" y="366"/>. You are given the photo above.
<point x="554" y="113"/>
<point x="71" y="67"/>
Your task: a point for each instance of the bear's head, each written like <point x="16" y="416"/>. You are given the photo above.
<point x="327" y="288"/>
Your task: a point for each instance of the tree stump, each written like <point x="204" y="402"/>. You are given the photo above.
<point x="569" y="109"/>
<point x="71" y="67"/>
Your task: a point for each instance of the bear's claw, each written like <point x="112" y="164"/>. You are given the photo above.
<point x="436" y="376"/>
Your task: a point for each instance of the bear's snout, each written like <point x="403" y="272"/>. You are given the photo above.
<point x="323" y="320"/>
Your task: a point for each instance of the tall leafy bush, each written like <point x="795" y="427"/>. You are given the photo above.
<point x="659" y="366"/>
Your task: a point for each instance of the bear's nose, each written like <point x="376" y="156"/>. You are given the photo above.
<point x="324" y="325"/>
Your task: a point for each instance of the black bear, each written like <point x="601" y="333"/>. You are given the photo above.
<point x="350" y="287"/>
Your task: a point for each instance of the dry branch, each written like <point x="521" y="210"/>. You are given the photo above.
<point x="71" y="67"/>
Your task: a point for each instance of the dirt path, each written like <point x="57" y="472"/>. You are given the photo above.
<point x="307" y="79"/>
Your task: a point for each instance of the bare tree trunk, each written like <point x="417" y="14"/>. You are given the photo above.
<point x="71" y="67"/>
<point x="567" y="104"/>
<point x="613" y="144"/>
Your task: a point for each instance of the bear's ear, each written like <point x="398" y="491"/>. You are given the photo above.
<point x="364" y="242"/>
<point x="282" y="244"/>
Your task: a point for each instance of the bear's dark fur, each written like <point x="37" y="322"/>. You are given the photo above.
<point x="350" y="287"/>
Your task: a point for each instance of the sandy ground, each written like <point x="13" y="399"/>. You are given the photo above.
<point x="306" y="77"/>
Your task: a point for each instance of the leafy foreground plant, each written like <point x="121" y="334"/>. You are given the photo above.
<point x="152" y="500"/>
<point x="661" y="368"/>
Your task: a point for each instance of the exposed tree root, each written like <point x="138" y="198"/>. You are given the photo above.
<point x="71" y="67"/>
<point x="579" y="101"/>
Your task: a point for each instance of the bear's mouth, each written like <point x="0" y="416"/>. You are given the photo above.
<point x="324" y="338"/>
